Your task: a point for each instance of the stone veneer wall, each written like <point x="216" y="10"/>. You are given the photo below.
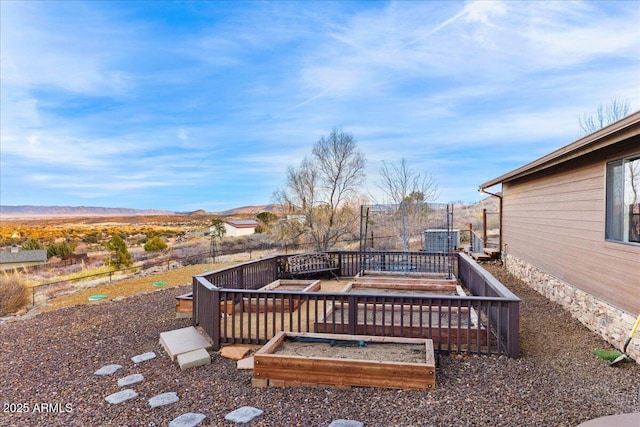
<point x="607" y="321"/>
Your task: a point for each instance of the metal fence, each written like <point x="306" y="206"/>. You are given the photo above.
<point x="231" y="308"/>
<point x="477" y="243"/>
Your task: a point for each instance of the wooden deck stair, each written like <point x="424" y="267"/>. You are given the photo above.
<point x="494" y="253"/>
<point x="487" y="254"/>
<point x="480" y="256"/>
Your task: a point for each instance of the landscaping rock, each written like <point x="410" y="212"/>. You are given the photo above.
<point x="121" y="396"/>
<point x="235" y="352"/>
<point x="131" y="379"/>
<point x="190" y="419"/>
<point x="243" y="415"/>
<point x="107" y="370"/>
<point x="163" y="399"/>
<point x="143" y="357"/>
<point x="346" y="423"/>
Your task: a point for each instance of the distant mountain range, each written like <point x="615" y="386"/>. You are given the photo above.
<point x="28" y="211"/>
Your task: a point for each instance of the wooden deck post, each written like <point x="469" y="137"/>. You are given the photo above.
<point x="512" y="338"/>
<point x="353" y="315"/>
<point x="217" y="315"/>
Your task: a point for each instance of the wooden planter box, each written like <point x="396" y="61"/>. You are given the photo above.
<point x="407" y="283"/>
<point x="261" y="305"/>
<point x="184" y="306"/>
<point x="345" y="360"/>
<point x="331" y="323"/>
<point x="421" y="288"/>
<point x="415" y="319"/>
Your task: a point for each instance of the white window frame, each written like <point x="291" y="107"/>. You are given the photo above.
<point x="622" y="212"/>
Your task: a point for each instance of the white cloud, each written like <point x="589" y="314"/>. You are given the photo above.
<point x="59" y="49"/>
<point x="492" y="40"/>
<point x="94" y="94"/>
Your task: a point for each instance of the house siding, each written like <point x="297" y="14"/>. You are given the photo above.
<point x="554" y="220"/>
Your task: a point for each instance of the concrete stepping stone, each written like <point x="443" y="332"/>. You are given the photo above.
<point x="143" y="357"/>
<point x="164" y="399"/>
<point x="346" y="423"/>
<point x="131" y="379"/>
<point x="121" y="396"/>
<point x="190" y="419"/>
<point x="243" y="415"/>
<point x="199" y="357"/>
<point x="107" y="370"/>
<point x="182" y="340"/>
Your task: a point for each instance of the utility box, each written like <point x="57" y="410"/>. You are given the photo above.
<point x="441" y="240"/>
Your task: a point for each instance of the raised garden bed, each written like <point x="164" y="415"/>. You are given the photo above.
<point x="311" y="359"/>
<point x="402" y="285"/>
<point x="261" y="305"/>
<point x="442" y="329"/>
<point x="184" y="303"/>
<point x="438" y="321"/>
<point x="184" y="306"/>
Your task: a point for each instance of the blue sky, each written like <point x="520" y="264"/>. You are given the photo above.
<point x="188" y="105"/>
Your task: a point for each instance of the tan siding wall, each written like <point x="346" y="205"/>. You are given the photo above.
<point x="555" y="222"/>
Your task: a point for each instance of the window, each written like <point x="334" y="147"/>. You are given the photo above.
<point x="623" y="200"/>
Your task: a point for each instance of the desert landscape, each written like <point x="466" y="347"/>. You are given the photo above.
<point x="85" y="232"/>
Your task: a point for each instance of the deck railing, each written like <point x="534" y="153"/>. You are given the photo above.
<point x="436" y="263"/>
<point x="477" y="243"/>
<point x="502" y="311"/>
<point x="231" y="308"/>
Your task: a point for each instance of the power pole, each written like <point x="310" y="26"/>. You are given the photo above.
<point x="212" y="233"/>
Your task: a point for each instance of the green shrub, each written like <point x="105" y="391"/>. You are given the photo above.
<point x="32" y="245"/>
<point x="119" y="254"/>
<point x="155" y="244"/>
<point x="13" y="293"/>
<point x="60" y="249"/>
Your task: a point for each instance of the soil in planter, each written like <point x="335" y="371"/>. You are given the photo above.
<point x="383" y="352"/>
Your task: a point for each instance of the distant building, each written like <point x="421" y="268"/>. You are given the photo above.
<point x="240" y="227"/>
<point x="17" y="258"/>
<point x="300" y="218"/>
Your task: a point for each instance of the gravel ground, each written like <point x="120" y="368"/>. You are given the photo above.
<point x="50" y="359"/>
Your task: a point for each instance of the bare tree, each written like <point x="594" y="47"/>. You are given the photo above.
<point x="409" y="190"/>
<point x="401" y="183"/>
<point x="603" y="116"/>
<point x="322" y="188"/>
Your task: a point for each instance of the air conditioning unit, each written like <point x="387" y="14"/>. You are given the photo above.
<point x="441" y="240"/>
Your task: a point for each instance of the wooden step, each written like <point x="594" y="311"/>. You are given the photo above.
<point x="492" y="252"/>
<point x="479" y="256"/>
